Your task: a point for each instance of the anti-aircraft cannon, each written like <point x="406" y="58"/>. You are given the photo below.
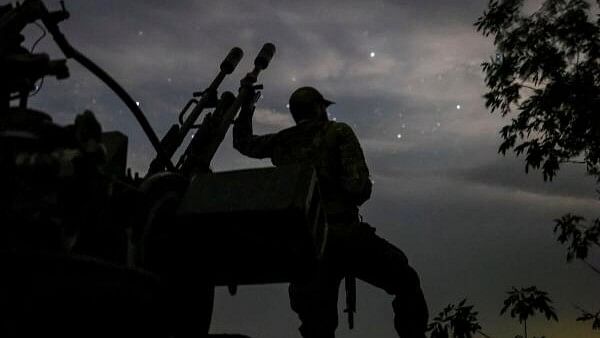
<point x="91" y="251"/>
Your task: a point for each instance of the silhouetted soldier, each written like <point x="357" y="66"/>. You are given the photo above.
<point x="353" y="247"/>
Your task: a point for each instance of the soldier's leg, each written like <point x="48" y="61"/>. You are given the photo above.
<point x="314" y="299"/>
<point x="381" y="264"/>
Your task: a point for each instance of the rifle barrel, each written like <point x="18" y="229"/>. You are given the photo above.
<point x="246" y="91"/>
<point x="209" y="95"/>
<point x="227" y="66"/>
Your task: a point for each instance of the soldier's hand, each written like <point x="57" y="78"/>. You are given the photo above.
<point x="247" y="111"/>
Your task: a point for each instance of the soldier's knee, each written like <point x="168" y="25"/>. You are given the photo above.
<point x="406" y="280"/>
<point x="399" y="256"/>
<point x="411" y="313"/>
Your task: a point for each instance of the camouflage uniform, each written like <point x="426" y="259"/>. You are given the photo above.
<point x="353" y="247"/>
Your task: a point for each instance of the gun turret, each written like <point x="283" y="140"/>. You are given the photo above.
<point x="69" y="213"/>
<point x="198" y="156"/>
<point x="211" y="132"/>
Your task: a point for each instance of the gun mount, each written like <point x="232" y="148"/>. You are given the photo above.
<point x="90" y="250"/>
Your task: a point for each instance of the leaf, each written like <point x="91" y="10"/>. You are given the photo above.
<point x="588" y="316"/>
<point x="459" y="321"/>
<point x="525" y="302"/>
<point x="545" y="71"/>
<point x="578" y="236"/>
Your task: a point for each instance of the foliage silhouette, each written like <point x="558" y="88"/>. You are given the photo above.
<point x="579" y="237"/>
<point x="525" y="302"/>
<point x="546" y="68"/>
<point x="588" y="316"/>
<point x="459" y="319"/>
<point x="545" y="76"/>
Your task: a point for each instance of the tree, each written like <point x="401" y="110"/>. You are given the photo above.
<point x="545" y="76"/>
<point x="580" y="237"/>
<point x="460" y="320"/>
<point x="525" y="302"/>
<point x="547" y="69"/>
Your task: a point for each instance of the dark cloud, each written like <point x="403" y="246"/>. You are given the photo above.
<point x="509" y="173"/>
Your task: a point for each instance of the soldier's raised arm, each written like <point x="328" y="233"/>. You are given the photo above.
<point x="355" y="177"/>
<point x="255" y="146"/>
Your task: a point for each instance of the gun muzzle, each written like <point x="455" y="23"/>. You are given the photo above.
<point x="264" y="56"/>
<point x="231" y="60"/>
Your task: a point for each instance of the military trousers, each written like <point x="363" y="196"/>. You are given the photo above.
<point x="357" y="251"/>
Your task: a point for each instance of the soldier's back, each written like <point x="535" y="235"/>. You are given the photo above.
<point x="308" y="143"/>
<point x="318" y="144"/>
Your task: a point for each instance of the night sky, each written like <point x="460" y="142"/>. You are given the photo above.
<point x="406" y="75"/>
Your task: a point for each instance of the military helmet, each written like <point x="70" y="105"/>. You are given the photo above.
<point x="303" y="103"/>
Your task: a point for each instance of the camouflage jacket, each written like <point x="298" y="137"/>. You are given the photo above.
<point x="330" y="147"/>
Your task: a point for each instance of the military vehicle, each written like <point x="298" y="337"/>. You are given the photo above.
<point x="90" y="250"/>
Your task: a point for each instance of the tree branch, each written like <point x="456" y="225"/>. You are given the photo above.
<point x="483" y="334"/>
<point x="528" y="84"/>
<point x="529" y="87"/>
<point x="591" y="266"/>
